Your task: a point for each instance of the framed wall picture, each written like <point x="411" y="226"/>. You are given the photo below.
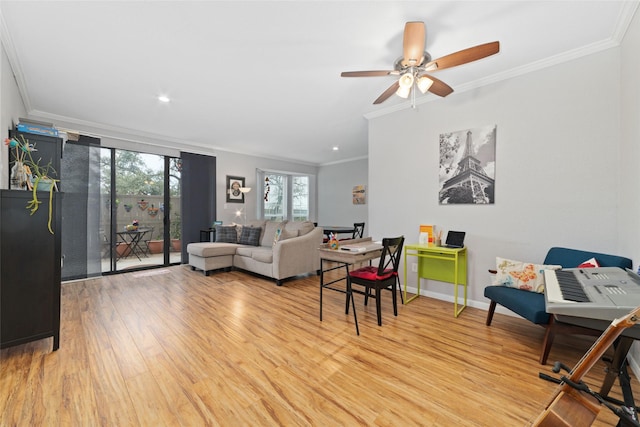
<point x="359" y="195"/>
<point x="234" y="183"/>
<point x="467" y="166"/>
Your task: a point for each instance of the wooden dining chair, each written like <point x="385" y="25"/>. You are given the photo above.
<point x="384" y="276"/>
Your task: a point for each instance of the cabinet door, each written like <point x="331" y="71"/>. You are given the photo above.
<point x="30" y="270"/>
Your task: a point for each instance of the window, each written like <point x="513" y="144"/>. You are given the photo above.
<point x="300" y="194"/>
<point x="286" y="196"/>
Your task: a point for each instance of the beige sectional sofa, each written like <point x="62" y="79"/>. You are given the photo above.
<point x="278" y="250"/>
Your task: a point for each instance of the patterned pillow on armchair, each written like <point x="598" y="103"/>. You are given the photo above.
<point x="521" y="275"/>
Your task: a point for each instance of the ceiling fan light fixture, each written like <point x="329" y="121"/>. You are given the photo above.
<point x="424" y="83"/>
<point x="405" y="82"/>
<point x="403" y="92"/>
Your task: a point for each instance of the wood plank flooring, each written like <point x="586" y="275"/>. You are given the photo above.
<point x="172" y="347"/>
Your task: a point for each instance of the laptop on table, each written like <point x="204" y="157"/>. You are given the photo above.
<point x="455" y="240"/>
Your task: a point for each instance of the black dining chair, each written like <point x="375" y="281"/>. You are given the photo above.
<point x="358" y="230"/>
<point x="384" y="276"/>
<point x="145" y="238"/>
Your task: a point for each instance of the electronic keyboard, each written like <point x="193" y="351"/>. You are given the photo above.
<point x="604" y="293"/>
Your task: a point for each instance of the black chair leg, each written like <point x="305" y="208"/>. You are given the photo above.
<point x="378" y="307"/>
<point x="346" y="305"/>
<point x="353" y="305"/>
<point x="395" y="299"/>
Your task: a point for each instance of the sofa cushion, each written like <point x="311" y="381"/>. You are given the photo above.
<point x="261" y="254"/>
<point x="299" y="228"/>
<point x="258" y="253"/>
<point x="521" y="275"/>
<point x="529" y="305"/>
<point x="206" y="249"/>
<point x="370" y="272"/>
<point x="250" y="236"/>
<point x="226" y="234"/>
<point x="270" y="228"/>
<point x="245" y="250"/>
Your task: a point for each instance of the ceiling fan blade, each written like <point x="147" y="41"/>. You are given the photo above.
<point x="413" y="44"/>
<point x="374" y="73"/>
<point x="438" y="87"/>
<point x="464" y="56"/>
<point x="387" y="93"/>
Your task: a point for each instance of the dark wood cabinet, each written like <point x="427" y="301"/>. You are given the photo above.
<point x="30" y="268"/>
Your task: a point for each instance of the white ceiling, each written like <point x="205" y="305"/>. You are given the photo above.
<point x="263" y="77"/>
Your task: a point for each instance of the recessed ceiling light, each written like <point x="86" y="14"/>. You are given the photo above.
<point x="163" y="98"/>
<point x="336" y="148"/>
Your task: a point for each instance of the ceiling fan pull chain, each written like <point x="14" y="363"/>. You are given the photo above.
<point x="413" y="95"/>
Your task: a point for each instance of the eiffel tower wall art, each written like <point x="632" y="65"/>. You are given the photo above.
<point x="467" y="166"/>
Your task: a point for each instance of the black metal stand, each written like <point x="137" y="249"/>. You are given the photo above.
<point x="626" y="410"/>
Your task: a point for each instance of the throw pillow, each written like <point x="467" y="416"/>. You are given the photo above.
<point x="522" y="275"/>
<point x="226" y="233"/>
<point x="590" y="263"/>
<point x="250" y="236"/>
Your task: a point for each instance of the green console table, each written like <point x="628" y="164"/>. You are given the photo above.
<point x="441" y="264"/>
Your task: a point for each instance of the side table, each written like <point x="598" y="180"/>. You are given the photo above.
<point x="441" y="264"/>
<point x="208" y="235"/>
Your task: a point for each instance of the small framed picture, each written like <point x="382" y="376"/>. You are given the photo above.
<point x="234" y="183"/>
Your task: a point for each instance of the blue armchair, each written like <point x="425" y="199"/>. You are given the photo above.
<point x="531" y="305"/>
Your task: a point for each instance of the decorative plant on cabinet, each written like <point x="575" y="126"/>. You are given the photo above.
<point x="29" y="174"/>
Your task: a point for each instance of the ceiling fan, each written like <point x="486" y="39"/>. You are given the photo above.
<point x="415" y="64"/>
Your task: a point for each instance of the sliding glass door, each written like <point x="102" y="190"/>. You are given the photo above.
<point x="139" y="213"/>
<point x="121" y="210"/>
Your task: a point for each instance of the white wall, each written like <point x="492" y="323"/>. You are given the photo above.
<point x="11" y="108"/>
<point x="628" y="200"/>
<point x="335" y="190"/>
<point x="629" y="161"/>
<point x="557" y="167"/>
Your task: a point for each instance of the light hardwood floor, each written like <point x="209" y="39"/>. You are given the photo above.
<point x="173" y="347"/>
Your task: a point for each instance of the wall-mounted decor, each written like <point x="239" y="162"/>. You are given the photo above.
<point x="234" y="183"/>
<point x="467" y="166"/>
<point x="359" y="195"/>
<point x="267" y="187"/>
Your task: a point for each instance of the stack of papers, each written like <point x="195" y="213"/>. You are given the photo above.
<point x="367" y="247"/>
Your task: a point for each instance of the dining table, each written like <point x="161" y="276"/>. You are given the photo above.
<point x="132" y="239"/>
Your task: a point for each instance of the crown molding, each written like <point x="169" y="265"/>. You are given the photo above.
<point x="101" y="130"/>
<point x="337" y="162"/>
